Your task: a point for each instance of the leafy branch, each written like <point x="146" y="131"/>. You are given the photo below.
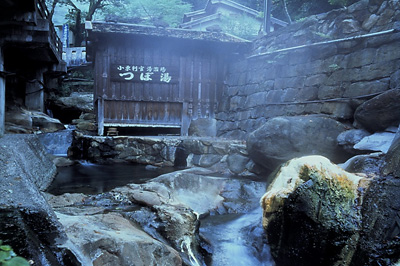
<point x="9" y="258"/>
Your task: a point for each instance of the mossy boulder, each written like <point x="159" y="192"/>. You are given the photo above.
<point x="311" y="213"/>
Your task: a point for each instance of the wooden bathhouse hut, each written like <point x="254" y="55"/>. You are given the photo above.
<point x="154" y="77"/>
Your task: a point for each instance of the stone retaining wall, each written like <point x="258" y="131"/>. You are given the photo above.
<point x="223" y="156"/>
<point x="332" y="78"/>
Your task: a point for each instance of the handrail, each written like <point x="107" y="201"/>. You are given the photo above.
<point x="326" y="42"/>
<point x="54" y="39"/>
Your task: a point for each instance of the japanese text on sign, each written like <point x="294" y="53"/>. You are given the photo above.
<point x="140" y="73"/>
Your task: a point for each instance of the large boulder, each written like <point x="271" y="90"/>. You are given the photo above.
<point x="27" y="222"/>
<point x="110" y="239"/>
<point x="311" y="213"/>
<point x="379" y="141"/>
<point x="19" y="120"/>
<point x="349" y="138"/>
<point x="68" y="108"/>
<point x="380" y="112"/>
<point x="392" y="158"/>
<point x="45" y="123"/>
<point x="365" y="163"/>
<point x="379" y="242"/>
<point x="283" y="138"/>
<point x="81" y="101"/>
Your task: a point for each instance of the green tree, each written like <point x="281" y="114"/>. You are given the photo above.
<point x="155" y="12"/>
<point x="196" y="4"/>
<point x="242" y="26"/>
<point x="303" y="8"/>
<point x="78" y="12"/>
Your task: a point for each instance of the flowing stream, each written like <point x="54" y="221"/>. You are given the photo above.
<point x="57" y="143"/>
<point x="232" y="239"/>
<point x="235" y="239"/>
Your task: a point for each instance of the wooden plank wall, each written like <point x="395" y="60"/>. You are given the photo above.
<point x="194" y="95"/>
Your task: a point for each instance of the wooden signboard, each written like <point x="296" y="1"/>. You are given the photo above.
<point x="144" y="73"/>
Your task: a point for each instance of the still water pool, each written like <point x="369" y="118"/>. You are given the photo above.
<point x="93" y="179"/>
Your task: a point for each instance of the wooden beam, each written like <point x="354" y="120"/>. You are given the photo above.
<point x="2" y="94"/>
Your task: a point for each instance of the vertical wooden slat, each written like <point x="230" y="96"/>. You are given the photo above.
<point x="208" y="86"/>
<point x="100" y="115"/>
<point x="184" y="80"/>
<point x="199" y="86"/>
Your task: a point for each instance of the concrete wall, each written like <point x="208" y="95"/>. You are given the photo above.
<point x="321" y="75"/>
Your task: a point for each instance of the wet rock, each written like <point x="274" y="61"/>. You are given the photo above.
<point x="86" y="122"/>
<point x="311" y="214"/>
<point x="203" y="127"/>
<point x="62" y="161"/>
<point x="369" y="164"/>
<point x="71" y="107"/>
<point x="205" y="193"/>
<point x="350" y="26"/>
<point x="86" y="126"/>
<point x="395" y="80"/>
<point x="109" y="240"/>
<point x="379" y="241"/>
<point x="283" y="138"/>
<point x="205" y="160"/>
<point x="376" y="142"/>
<point x="81" y="101"/>
<point x="174" y="202"/>
<point x="380" y="112"/>
<point x="237" y="163"/>
<point x="19" y="120"/>
<point x="349" y="138"/>
<point x="370" y="22"/>
<point x="392" y="159"/>
<point x="45" y="123"/>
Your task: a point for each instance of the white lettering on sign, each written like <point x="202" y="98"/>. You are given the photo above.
<point x="128" y="75"/>
<point x="145" y="73"/>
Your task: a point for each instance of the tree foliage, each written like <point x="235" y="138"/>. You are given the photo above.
<point x="149" y="12"/>
<point x="78" y="12"/>
<point x="170" y="12"/>
<point x="196" y="4"/>
<point x="9" y="258"/>
<point x="303" y="8"/>
<point x="242" y="26"/>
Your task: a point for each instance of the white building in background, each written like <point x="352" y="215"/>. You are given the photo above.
<point x="219" y="13"/>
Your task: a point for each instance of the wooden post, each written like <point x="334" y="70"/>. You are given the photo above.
<point x="2" y="94"/>
<point x="34" y="92"/>
<point x="267" y="15"/>
<point x="185" y="119"/>
<point x="100" y="116"/>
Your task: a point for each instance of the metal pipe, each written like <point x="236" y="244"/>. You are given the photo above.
<point x="326" y="42"/>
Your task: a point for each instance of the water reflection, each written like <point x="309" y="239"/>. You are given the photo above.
<point x="93" y="179"/>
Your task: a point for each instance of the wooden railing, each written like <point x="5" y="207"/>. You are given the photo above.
<point x="55" y="41"/>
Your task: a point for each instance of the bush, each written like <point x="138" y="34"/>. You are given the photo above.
<point x="9" y="258"/>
